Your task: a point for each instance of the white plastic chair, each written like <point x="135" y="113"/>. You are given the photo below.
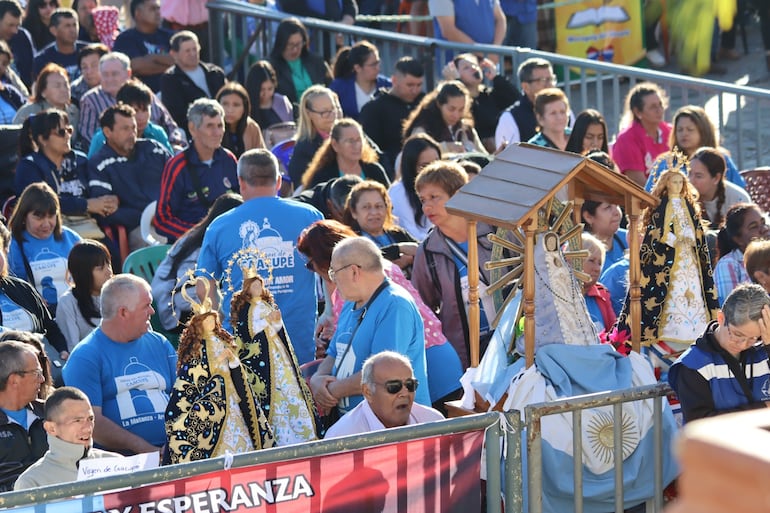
<point x="149" y="235"/>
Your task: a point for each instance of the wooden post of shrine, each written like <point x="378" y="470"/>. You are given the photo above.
<point x="474" y="313"/>
<point x="634" y="272"/>
<point x="530" y="226"/>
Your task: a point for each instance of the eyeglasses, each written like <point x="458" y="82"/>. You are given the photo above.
<point x="309" y="265"/>
<point x="741" y="339"/>
<point x="295" y="46"/>
<point x="61" y="132"/>
<point x="323" y="113"/>
<point x="551" y="80"/>
<point x="394" y="386"/>
<point x="332" y="272"/>
<point x="38" y="371"/>
<point x="372" y="64"/>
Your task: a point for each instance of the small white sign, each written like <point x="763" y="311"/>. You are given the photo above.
<point x="102" y="467"/>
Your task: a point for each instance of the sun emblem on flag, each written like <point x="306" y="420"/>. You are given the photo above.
<point x="600" y="434"/>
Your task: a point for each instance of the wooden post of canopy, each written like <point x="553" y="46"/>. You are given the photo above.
<point x="474" y="314"/>
<point x="530" y="228"/>
<point x="633" y="207"/>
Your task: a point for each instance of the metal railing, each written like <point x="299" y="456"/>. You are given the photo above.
<point x="575" y="405"/>
<point x="490" y="422"/>
<point x="741" y="114"/>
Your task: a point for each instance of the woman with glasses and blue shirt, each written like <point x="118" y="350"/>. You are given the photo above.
<point x="726" y="369"/>
<point x="368" y="212"/>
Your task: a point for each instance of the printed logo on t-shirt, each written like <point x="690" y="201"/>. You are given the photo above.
<point x="279" y="252"/>
<point x="154" y="49"/>
<point x="141" y="394"/>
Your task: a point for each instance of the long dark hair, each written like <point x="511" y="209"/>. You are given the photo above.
<point x="350" y="56"/>
<point x="259" y="73"/>
<point x="428" y="113"/>
<point x="583" y="120"/>
<point x="39" y="126"/>
<point x="410" y="154"/>
<point x="41" y="36"/>
<point x="193" y="238"/>
<point x="287" y="28"/>
<point x="240" y="126"/>
<point x="715" y="164"/>
<point x="733" y="223"/>
<point x="84" y="257"/>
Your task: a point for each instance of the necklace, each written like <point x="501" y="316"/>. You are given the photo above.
<point x="575" y="293"/>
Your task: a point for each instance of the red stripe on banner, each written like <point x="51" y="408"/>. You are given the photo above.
<point x="392" y="477"/>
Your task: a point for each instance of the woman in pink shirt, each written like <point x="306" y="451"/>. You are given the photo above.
<point x="643" y="135"/>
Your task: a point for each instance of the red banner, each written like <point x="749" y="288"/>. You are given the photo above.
<point x="438" y="474"/>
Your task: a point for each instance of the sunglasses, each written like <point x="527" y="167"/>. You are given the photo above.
<point x="394" y="386"/>
<point x="61" y="132"/>
<point x="309" y="266"/>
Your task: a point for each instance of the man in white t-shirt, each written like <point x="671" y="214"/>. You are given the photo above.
<point x="388" y="385"/>
<point x="189" y="78"/>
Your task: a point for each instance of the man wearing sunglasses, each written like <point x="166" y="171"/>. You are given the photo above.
<point x="389" y="387"/>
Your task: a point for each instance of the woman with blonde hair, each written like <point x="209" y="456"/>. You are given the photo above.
<point x="346" y="152"/>
<point x="319" y="108"/>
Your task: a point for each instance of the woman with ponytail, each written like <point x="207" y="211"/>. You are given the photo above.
<point x="716" y="195"/>
<point x="743" y="223"/>
<point x="357" y="77"/>
<point x="46" y="155"/>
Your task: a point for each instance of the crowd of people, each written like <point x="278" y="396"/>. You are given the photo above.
<point x="344" y="254"/>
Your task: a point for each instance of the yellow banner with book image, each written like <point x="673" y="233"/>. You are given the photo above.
<point x="607" y="31"/>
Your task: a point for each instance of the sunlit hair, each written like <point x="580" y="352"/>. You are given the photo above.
<point x="355" y="196"/>
<point x="305" y="128"/>
<point x="427" y="114"/>
<point x="635" y="101"/>
<point x="702" y="123"/>
<point x="547" y="96"/>
<point x="326" y="155"/>
<point x="450" y="176"/>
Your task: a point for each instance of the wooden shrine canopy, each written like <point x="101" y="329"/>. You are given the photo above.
<point x="508" y="194"/>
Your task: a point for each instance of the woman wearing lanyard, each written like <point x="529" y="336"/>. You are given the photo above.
<point x="440" y="270"/>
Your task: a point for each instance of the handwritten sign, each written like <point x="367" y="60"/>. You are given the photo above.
<point x="102" y="467"/>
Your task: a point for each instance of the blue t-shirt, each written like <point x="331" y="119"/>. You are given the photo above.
<point x="619" y="246"/>
<point x="130" y="382"/>
<point x="14" y="316"/>
<point x="137" y="44"/>
<point x="391" y="323"/>
<point x="68" y="61"/>
<point x="47" y="260"/>
<point x="18" y="416"/>
<point x="272" y="225"/>
<point x="615" y="279"/>
<point x="151" y="131"/>
<point x="7" y="112"/>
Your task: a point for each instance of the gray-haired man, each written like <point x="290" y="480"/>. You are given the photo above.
<point x="193" y="179"/>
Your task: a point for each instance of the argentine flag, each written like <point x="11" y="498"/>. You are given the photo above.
<point x="562" y="371"/>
